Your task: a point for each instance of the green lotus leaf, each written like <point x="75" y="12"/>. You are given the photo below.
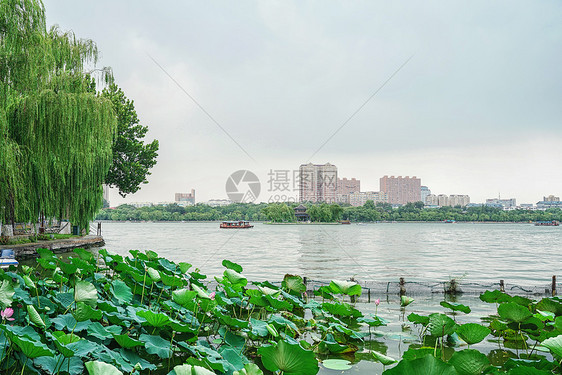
<point x="385" y="360"/>
<point x="200" y="292"/>
<point x="259" y="327"/>
<point x="34" y="317"/>
<point x="84" y="312"/>
<point x="469" y="362"/>
<point x="97" y="330"/>
<point x="375" y="321"/>
<point x="235" y="278"/>
<point x="350" y="288"/>
<point x="412" y="353"/>
<point x="440" y="325"/>
<point x="289" y="358"/>
<point x="183" y="296"/>
<point x="337" y="364"/>
<point x="278" y="304"/>
<point x="6" y="294"/>
<point x="495" y="296"/>
<point x="427" y="365"/>
<point x="121" y="291"/>
<point x="86" y="292"/>
<point x="28" y="282"/>
<point x="231" y="265"/>
<point x="405" y="301"/>
<point x="156" y="345"/>
<point x="67" y="268"/>
<point x="171" y="280"/>
<point x="545" y="316"/>
<point x="512" y="311"/>
<point x="154" y="319"/>
<point x="294" y="284"/>
<point x="84" y="254"/>
<point x="455" y="306"/>
<point x="472" y="333"/>
<point x="268" y="291"/>
<point x="249" y="369"/>
<point x="101" y="368"/>
<point x="154" y="275"/>
<point x="418" y="319"/>
<point x="30" y="348"/>
<point x="46" y="254"/>
<point x="127" y="342"/>
<point x="60" y="364"/>
<point x="184" y="266"/>
<point x="190" y="370"/>
<point x="549" y="304"/>
<point x="554" y="344"/>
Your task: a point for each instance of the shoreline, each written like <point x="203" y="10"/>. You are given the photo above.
<point x="29" y="250"/>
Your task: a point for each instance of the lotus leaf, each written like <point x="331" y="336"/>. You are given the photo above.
<point x="86" y="292"/>
<point x="469" y="362"/>
<point x="418" y="319"/>
<point x="85" y="312"/>
<point x="156" y="345"/>
<point x="337" y="364"/>
<point x="350" y="288"/>
<point x="190" y="370"/>
<point x="34" y="317"/>
<point x="249" y="369"/>
<point x="512" y="311"/>
<point x="235" y="278"/>
<point x="455" y="306"/>
<point x="427" y="365"/>
<point x="294" y="284"/>
<point x="101" y="368"/>
<point x="440" y="325"/>
<point x="121" y="291"/>
<point x="385" y="360"/>
<point x="183" y="296"/>
<point x="405" y="301"/>
<point x="154" y="319"/>
<point x="554" y="344"/>
<point x="289" y="358"/>
<point x="472" y="333"/>
<point x="127" y="342"/>
<point x="59" y="364"/>
<point x="6" y="293"/>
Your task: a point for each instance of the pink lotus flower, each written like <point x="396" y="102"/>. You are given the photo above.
<point x="7" y="313"/>
<point x="377" y="301"/>
<point x="212" y="295"/>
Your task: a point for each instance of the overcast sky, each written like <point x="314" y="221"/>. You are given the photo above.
<point x="477" y="109"/>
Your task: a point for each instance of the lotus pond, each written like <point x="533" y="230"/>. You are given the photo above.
<point x="143" y="314"/>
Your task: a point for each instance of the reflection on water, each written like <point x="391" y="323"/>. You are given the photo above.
<point x="518" y="253"/>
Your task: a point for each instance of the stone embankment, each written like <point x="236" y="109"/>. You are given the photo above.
<point x="29" y="250"/>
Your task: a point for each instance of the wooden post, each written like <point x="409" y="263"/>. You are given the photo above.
<point x="502" y="286"/>
<point x="553" y="285"/>
<point x="402" y="286"/>
<point x="99" y="228"/>
<point x="369" y="295"/>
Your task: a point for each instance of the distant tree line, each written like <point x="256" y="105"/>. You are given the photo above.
<point x="283" y="212"/>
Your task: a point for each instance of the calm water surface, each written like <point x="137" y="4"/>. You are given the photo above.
<point x="518" y="253"/>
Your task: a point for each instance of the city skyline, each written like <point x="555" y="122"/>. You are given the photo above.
<point x="469" y="93"/>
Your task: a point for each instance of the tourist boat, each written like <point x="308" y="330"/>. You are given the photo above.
<point x="449" y="221"/>
<point x="345" y="222"/>
<point x="552" y="223"/>
<point x="239" y="224"/>
<point x="7" y="258"/>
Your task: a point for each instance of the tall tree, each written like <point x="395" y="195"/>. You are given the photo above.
<point x="56" y="136"/>
<point x="132" y="159"/>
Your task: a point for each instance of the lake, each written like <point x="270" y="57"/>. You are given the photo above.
<point x="521" y="254"/>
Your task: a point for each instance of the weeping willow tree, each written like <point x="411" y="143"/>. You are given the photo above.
<point x="56" y="134"/>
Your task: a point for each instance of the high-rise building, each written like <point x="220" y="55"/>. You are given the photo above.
<point x="424" y="192"/>
<point x="359" y="198"/>
<point x="551" y="198"/>
<point x="346" y="187"/>
<point x="431" y="200"/>
<point x="504" y="203"/>
<point x="183" y="199"/>
<point x="401" y="190"/>
<point x="458" y="200"/>
<point x="318" y="183"/>
<point x="442" y="200"/>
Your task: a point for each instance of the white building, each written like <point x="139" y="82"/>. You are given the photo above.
<point x="359" y="198"/>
